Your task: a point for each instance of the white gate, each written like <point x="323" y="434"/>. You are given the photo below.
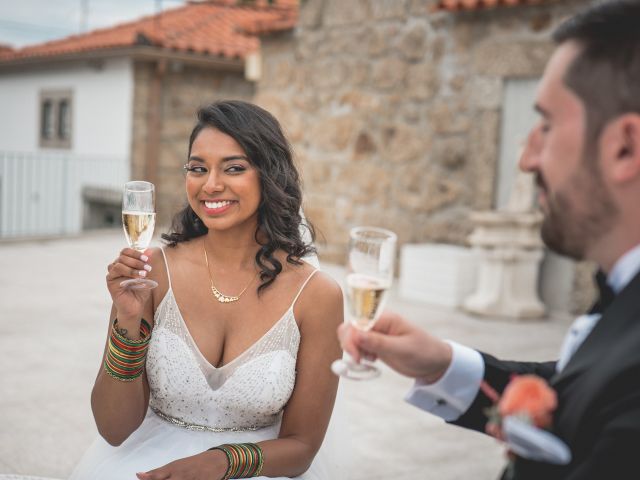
<point x="41" y="193"/>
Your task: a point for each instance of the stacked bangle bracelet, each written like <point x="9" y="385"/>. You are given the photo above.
<point x="125" y="358"/>
<point x="245" y="460"/>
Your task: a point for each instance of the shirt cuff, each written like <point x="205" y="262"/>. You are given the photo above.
<point x="454" y="392"/>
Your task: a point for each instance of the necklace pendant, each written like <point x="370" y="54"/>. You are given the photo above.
<point x="221" y="297"/>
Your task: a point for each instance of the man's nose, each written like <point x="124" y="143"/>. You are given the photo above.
<point x="528" y="161"/>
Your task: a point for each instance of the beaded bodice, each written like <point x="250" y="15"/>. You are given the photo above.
<point x="245" y="394"/>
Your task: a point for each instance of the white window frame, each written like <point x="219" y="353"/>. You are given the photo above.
<point x="59" y="132"/>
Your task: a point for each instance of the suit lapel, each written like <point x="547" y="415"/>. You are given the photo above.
<point x="575" y="388"/>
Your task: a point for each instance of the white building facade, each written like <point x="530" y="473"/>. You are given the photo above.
<point x="65" y="133"/>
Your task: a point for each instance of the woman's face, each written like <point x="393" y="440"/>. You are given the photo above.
<point x="223" y="187"/>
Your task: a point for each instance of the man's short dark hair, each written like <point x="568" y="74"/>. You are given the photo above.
<point x="605" y="75"/>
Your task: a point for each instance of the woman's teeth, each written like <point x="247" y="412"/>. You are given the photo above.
<point x="214" y="205"/>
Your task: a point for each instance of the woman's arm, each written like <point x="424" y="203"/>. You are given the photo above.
<point x="120" y="406"/>
<point x="306" y="415"/>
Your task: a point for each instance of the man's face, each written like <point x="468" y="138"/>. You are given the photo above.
<point x="575" y="202"/>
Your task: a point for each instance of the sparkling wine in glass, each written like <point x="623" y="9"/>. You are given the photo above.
<point x="372" y="253"/>
<point x="138" y="220"/>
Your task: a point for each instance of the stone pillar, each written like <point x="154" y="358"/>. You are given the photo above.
<point x="509" y="250"/>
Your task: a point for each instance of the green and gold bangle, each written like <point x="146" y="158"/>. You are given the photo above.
<point x="125" y="358"/>
<point x="245" y="460"/>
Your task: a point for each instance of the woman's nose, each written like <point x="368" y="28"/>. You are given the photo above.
<point x="213" y="183"/>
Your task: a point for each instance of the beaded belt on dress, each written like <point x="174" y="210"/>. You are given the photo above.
<point x="204" y="428"/>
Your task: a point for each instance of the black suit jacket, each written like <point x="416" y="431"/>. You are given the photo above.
<point x="598" y="413"/>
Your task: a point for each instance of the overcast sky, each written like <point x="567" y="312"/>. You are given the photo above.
<point x="24" y="22"/>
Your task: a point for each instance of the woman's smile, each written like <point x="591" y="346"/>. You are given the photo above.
<point x="217" y="207"/>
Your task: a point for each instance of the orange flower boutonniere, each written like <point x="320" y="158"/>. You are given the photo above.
<point x="521" y="416"/>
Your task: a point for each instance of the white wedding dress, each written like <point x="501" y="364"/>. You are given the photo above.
<point x="194" y="406"/>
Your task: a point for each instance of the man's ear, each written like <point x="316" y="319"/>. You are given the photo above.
<point x="620" y="148"/>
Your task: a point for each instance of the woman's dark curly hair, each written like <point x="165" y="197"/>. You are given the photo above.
<point x="279" y="221"/>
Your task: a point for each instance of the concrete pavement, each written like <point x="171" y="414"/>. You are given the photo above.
<point x="53" y="321"/>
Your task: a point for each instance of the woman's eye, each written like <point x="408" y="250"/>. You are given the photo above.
<point x="235" y="169"/>
<point x="196" y="169"/>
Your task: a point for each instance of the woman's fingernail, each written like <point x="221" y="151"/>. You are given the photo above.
<point x="142" y="273"/>
<point x="144" y="258"/>
<point x="147" y="268"/>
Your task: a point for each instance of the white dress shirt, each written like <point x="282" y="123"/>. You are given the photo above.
<point x="454" y="393"/>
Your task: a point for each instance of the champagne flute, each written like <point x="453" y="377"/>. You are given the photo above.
<point x="372" y="253"/>
<point x="138" y="220"/>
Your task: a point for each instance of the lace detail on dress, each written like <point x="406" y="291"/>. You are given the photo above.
<point x="247" y="393"/>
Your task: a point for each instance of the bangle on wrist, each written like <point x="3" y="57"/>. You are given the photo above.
<point x="125" y="358"/>
<point x="245" y="460"/>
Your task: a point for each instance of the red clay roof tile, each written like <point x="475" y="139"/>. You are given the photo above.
<point x="465" y="5"/>
<point x="215" y="27"/>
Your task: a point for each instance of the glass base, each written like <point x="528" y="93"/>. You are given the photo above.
<point x="139" y="284"/>
<point x="355" y="371"/>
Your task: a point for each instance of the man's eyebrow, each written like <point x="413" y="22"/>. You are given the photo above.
<point x="541" y="111"/>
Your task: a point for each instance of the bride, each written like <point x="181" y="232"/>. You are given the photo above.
<point x="222" y="371"/>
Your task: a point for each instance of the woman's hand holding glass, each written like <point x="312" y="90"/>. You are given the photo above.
<point x="130" y="265"/>
<point x="127" y="275"/>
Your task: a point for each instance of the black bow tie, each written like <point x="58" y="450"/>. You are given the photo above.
<point x="606" y="294"/>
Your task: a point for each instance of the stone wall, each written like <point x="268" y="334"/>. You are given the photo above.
<point x="184" y="89"/>
<point x="394" y="111"/>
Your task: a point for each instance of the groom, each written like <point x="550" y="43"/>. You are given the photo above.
<point x="585" y="154"/>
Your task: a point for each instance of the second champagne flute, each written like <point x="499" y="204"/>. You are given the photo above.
<point x="372" y="253"/>
<point x="138" y="220"/>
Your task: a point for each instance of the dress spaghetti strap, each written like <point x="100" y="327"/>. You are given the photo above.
<point x="166" y="264"/>
<point x="302" y="287"/>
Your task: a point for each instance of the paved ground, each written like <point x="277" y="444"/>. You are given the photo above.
<point x="53" y="314"/>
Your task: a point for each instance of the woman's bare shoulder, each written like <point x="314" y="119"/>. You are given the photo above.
<point x="162" y="264"/>
<point x="323" y="282"/>
<point x="321" y="296"/>
<point x="180" y="251"/>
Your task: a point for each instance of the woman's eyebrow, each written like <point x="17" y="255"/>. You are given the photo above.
<point x="235" y="157"/>
<point x="230" y="158"/>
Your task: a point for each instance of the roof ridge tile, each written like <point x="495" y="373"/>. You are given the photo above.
<point x="231" y="30"/>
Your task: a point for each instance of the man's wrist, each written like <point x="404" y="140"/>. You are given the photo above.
<point x="446" y="355"/>
<point x="452" y="394"/>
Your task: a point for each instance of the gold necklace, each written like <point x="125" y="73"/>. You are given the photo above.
<point x="221" y="297"/>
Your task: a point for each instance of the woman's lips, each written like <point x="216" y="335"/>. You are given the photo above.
<point x="217" y="207"/>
